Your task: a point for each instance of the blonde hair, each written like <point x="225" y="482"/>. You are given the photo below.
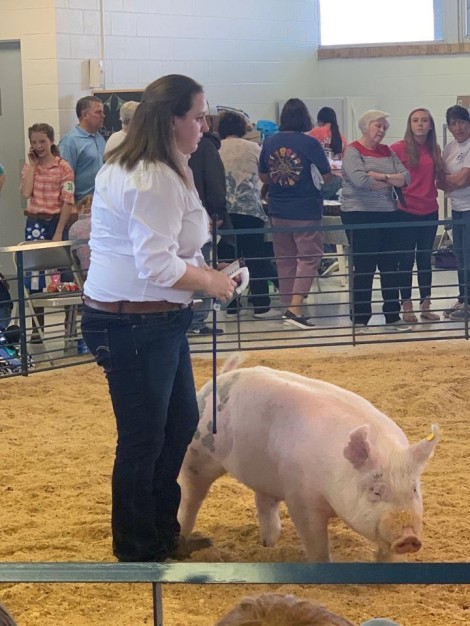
<point x="274" y="609"/>
<point x="84" y="205"/>
<point x="127" y="110"/>
<point x="372" y="116"/>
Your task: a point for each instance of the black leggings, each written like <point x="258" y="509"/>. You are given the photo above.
<point x="373" y="248"/>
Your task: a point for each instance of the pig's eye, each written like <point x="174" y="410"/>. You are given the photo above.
<point x="377" y="494"/>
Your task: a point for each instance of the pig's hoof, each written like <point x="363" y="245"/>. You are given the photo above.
<point x="187" y="545"/>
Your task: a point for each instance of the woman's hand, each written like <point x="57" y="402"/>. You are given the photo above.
<point x="219" y="285"/>
<point x="32" y="158"/>
<point x="379" y="177"/>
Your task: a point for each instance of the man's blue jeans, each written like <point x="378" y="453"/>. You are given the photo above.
<point x="147" y="364"/>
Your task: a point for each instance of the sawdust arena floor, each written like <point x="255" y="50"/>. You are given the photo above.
<point x="56" y="452"/>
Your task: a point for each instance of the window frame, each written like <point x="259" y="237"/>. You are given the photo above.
<point x="450" y="30"/>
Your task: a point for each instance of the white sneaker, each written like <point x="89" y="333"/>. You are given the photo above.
<point x="399" y="326"/>
<point x="271" y="314"/>
<point x="362" y="329"/>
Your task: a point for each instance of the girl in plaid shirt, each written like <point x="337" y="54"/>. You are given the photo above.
<point x="47" y="181"/>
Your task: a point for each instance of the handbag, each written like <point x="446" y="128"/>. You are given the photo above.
<point x="398" y="195"/>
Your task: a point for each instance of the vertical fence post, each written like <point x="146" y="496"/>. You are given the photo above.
<point x="22" y="312"/>
<point x="157" y="604"/>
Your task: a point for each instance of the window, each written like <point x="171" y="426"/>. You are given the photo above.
<point x="349" y="22"/>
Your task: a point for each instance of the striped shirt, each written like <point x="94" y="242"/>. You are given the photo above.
<point x="53" y="186"/>
<point x="358" y="192"/>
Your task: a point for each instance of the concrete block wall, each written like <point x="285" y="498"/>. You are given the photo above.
<point x="246" y="54"/>
<point x="32" y="23"/>
<point x="400" y="83"/>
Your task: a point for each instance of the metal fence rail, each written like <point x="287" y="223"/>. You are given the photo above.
<point x="159" y="574"/>
<point x="328" y="303"/>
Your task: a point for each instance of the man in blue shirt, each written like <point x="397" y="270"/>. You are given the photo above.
<point x="83" y="146"/>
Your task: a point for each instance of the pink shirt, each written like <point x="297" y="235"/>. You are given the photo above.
<point x="421" y="193"/>
<point x="53" y="186"/>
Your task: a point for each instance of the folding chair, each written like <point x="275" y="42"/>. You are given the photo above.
<point x="48" y="257"/>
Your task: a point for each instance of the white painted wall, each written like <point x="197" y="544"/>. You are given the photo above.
<point x="32" y="23"/>
<point x="400" y="84"/>
<point x="247" y="54"/>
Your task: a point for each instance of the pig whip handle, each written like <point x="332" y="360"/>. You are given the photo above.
<point x="214" y="329"/>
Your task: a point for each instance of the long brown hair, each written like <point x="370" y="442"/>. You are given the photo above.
<point x="151" y="137"/>
<point x="48" y="131"/>
<point x="412" y="149"/>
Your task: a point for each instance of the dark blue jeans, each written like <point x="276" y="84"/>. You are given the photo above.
<point x="416" y="242"/>
<point x="461" y="237"/>
<point x="147" y="364"/>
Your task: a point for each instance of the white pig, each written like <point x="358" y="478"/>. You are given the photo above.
<point x="323" y="450"/>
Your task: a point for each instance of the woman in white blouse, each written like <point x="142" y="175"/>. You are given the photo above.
<point x="148" y="227"/>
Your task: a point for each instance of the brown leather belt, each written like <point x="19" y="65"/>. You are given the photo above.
<point x="123" y="306"/>
<point x="46" y="217"/>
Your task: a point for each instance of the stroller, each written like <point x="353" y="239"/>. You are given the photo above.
<point x="10" y="351"/>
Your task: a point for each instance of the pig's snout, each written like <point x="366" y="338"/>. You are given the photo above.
<point x="401" y="531"/>
<point x="408" y="542"/>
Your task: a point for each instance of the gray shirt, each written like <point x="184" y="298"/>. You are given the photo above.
<point x="358" y="192"/>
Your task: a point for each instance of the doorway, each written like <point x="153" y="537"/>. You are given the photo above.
<point x="12" y="149"/>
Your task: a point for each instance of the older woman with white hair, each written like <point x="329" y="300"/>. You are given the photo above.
<point x="371" y="174"/>
<point x="126" y="113"/>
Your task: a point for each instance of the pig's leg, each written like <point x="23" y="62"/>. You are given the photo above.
<point x="268" y="517"/>
<point x="198" y="473"/>
<point x="312" y="525"/>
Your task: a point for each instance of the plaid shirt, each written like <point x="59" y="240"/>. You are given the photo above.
<point x="53" y="186"/>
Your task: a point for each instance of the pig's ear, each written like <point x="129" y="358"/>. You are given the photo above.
<point x="421" y="452"/>
<point x="358" y="449"/>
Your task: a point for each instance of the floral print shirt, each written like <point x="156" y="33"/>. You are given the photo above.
<point x="240" y="158"/>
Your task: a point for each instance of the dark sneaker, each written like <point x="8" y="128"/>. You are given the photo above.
<point x="206" y="331"/>
<point x="328" y="266"/>
<point x="35" y="337"/>
<point x="455" y="307"/>
<point x="297" y="320"/>
<point x="462" y="314"/>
